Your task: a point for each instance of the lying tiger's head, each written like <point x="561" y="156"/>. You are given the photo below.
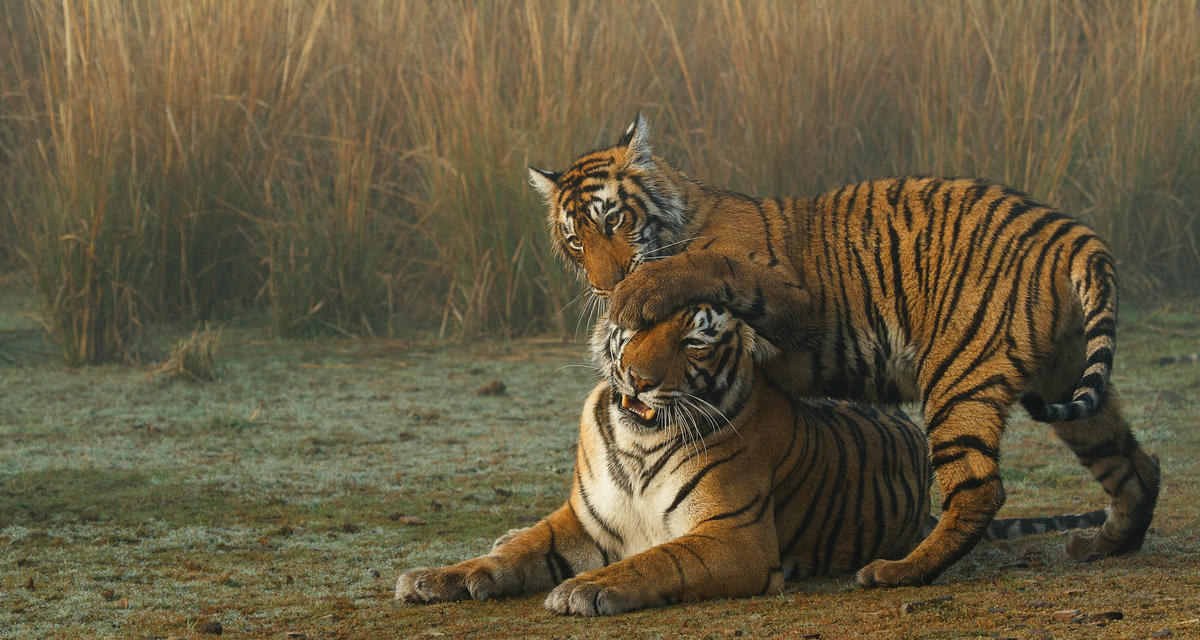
<point x="686" y="371"/>
<point x="612" y="209"/>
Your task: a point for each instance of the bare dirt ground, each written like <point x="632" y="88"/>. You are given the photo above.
<point x="282" y="500"/>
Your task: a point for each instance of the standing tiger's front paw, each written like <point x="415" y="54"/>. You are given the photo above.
<point x="583" y="596"/>
<point x="464" y="581"/>
<point x="891" y="573"/>
<point x="647" y="296"/>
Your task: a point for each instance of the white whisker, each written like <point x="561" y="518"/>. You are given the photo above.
<point x="668" y="246"/>
<point x="716" y="411"/>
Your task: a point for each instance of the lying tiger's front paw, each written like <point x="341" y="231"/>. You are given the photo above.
<point x="459" y="582"/>
<point x="583" y="596"/>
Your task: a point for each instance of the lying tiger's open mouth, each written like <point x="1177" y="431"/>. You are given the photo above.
<point x="638" y="408"/>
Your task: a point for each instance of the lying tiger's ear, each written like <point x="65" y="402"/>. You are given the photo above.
<point x="545" y="182"/>
<point x="761" y="349"/>
<point x="637" y="143"/>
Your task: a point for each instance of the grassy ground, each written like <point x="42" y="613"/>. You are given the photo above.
<point x="285" y="497"/>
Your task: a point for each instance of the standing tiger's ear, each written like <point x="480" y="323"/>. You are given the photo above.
<point x="637" y="143"/>
<point x="544" y="181"/>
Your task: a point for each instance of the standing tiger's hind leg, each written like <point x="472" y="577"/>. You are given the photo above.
<point x="964" y="424"/>
<point x="1104" y="443"/>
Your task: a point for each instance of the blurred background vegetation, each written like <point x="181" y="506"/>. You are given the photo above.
<point x="359" y="166"/>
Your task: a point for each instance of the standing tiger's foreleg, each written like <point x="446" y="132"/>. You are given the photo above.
<point x="1104" y="443"/>
<point x="771" y="299"/>
<point x="523" y="561"/>
<point x="715" y="560"/>
<point x="964" y="424"/>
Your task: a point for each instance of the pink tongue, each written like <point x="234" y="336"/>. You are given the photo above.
<point x="640" y="408"/>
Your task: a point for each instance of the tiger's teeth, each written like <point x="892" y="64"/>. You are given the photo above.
<point x="649" y="414"/>
<point x="624" y="401"/>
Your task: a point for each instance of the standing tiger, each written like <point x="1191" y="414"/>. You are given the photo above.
<point x="955" y="293"/>
<point x="695" y="478"/>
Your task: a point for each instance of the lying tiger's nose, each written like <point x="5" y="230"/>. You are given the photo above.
<point x="641" y="383"/>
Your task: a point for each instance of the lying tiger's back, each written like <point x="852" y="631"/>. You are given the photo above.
<point x="858" y="491"/>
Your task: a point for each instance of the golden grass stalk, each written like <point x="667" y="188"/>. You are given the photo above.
<point x="359" y="166"/>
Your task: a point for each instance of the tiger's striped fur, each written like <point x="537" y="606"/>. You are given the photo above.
<point x="696" y="478"/>
<point x="956" y="293"/>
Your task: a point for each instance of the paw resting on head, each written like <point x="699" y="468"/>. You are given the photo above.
<point x="583" y="596"/>
<point x="649" y="295"/>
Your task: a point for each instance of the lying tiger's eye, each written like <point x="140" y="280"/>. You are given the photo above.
<point x="697" y="348"/>
<point x="574" y="243"/>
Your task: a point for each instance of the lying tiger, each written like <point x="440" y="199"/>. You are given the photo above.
<point x="695" y="478"/>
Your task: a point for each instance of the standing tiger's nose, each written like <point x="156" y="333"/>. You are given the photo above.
<point x="641" y="383"/>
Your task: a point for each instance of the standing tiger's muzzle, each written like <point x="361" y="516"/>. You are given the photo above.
<point x="606" y="261"/>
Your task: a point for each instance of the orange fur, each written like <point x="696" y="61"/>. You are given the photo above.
<point x="955" y="293"/>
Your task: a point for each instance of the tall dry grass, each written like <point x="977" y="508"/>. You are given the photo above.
<point x="359" y="166"/>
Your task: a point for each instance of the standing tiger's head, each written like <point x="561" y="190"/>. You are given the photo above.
<point x="690" y="370"/>
<point x="612" y="209"/>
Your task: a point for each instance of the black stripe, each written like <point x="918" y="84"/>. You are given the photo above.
<point x="695" y="480"/>
<point x="968" y="484"/>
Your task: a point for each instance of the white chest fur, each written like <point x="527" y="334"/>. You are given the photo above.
<point x="633" y="489"/>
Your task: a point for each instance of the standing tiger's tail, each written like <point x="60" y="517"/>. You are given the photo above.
<point x="1009" y="528"/>
<point x="1093" y="277"/>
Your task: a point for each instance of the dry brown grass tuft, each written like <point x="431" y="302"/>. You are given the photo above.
<point x="193" y="357"/>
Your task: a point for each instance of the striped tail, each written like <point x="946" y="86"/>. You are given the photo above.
<point x="1009" y="528"/>
<point x="1094" y="279"/>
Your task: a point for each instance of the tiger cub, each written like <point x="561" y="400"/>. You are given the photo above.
<point x="955" y="293"/>
<point x="695" y="478"/>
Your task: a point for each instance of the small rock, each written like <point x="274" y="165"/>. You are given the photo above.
<point x="412" y="521"/>
<point x="406" y="436"/>
<point x="1040" y="604"/>
<point x="1106" y="616"/>
<point x="108" y="595"/>
<point x="811" y="636"/>
<point x="374" y="573"/>
<point x="211" y="627"/>
<point x="296" y="635"/>
<point x="493" y="388"/>
<point x="913" y="607"/>
<point x="1067" y="615"/>
<point x="434" y="505"/>
<point x="349" y="527"/>
<point x="1076" y="592"/>
<point x="1161" y="633"/>
<point x="503" y="493"/>
<point x="996" y="610"/>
